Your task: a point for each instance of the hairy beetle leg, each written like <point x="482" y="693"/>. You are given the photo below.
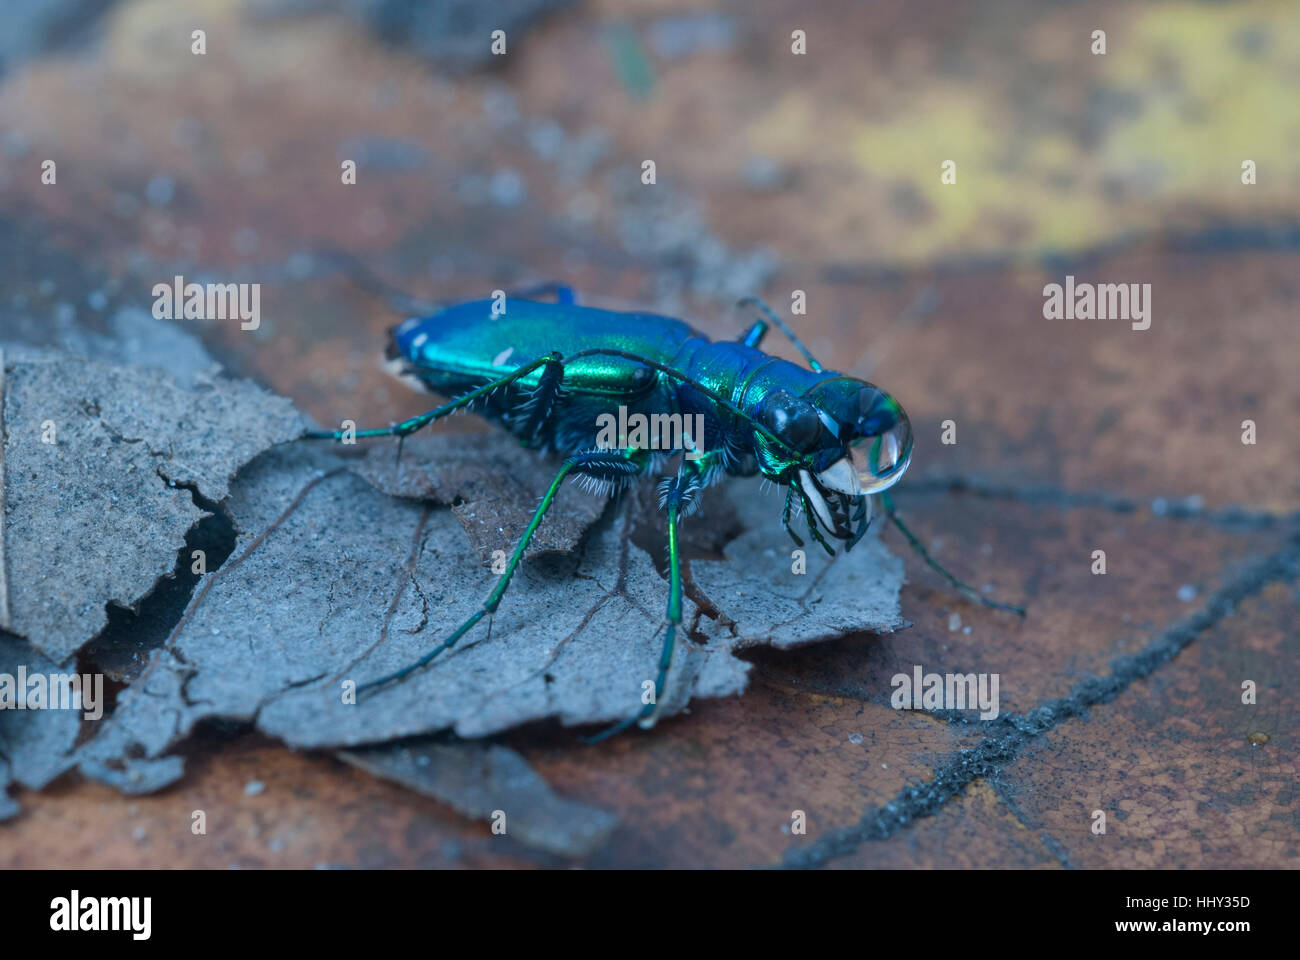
<point x="674" y="494"/>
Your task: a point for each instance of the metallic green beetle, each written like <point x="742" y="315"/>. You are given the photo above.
<point x="553" y="373"/>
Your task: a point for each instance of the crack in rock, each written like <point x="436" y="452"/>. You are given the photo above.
<point x="954" y="773"/>
<point x="608" y="646"/>
<point x="86" y="523"/>
<point x="35" y="745"/>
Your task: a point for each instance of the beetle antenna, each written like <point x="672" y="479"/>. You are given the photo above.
<point x="365" y="278"/>
<point x="784" y="328"/>
<point x="933" y="564"/>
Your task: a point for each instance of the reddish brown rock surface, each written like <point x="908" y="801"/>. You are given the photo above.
<point x="1067" y="430"/>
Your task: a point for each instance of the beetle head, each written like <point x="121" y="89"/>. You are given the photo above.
<point x="843" y="440"/>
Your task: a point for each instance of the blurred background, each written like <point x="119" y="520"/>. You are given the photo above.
<point x="774" y="172"/>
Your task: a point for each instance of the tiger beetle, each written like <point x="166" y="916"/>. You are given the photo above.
<point x="548" y="371"/>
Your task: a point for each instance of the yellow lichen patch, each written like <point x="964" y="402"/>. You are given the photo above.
<point x="1147" y="138"/>
<point x="1008" y="194"/>
<point x="1217" y="85"/>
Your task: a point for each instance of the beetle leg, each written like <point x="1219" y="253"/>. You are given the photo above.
<point x="916" y="544"/>
<point x="811" y="517"/>
<point x="403" y="302"/>
<point x="564" y="294"/>
<point x="365" y="278"/>
<point x="540" y="404"/>
<point x="613" y="465"/>
<point x="407" y="427"/>
<point x="862" y="516"/>
<point x="676" y="494"/>
<point x="785" y="515"/>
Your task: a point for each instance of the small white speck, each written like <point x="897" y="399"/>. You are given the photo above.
<point x="254" y="787"/>
<point x="954" y="621"/>
<point x="507" y="188"/>
<point x="16" y="144"/>
<point x="159" y="191"/>
<point x="300" y="265"/>
<point x="1187" y="593"/>
<point x="245" y="241"/>
<point x="546" y="138"/>
<point x="502" y="357"/>
<point x="855" y="738"/>
<point x="965" y="630"/>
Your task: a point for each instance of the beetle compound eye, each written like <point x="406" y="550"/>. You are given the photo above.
<point x="791" y="418"/>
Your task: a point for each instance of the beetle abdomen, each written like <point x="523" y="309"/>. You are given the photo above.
<point x="467" y="344"/>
